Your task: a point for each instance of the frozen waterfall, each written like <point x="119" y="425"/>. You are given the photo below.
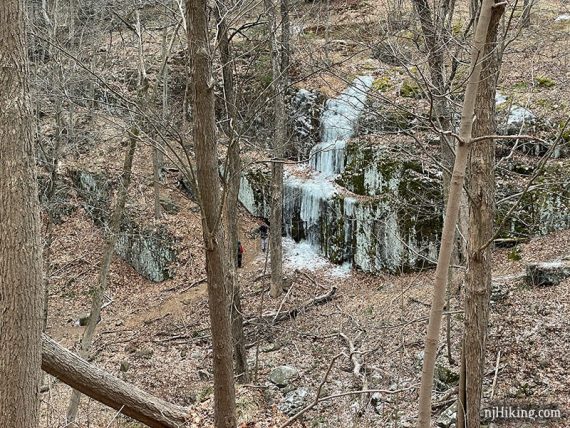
<point x="308" y="190"/>
<point x="338" y="125"/>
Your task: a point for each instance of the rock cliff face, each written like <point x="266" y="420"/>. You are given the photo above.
<point x="148" y="251"/>
<point x="379" y="206"/>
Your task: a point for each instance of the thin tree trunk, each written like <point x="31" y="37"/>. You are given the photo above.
<point x="50" y="192"/>
<point x="481" y="216"/>
<point x="452" y="211"/>
<point x="20" y="247"/>
<point x="276" y="215"/>
<point x="99" y="290"/>
<point x="232" y="176"/>
<point x="107" y="389"/>
<point x="205" y="144"/>
<point x="285" y="40"/>
<point x="157" y="158"/>
<point x="433" y="30"/>
<point x="525" y="18"/>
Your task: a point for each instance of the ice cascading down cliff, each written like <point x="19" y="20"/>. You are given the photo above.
<point x="350" y="216"/>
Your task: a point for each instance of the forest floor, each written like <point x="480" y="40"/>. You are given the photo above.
<point x="160" y="334"/>
<point x="156" y="335"/>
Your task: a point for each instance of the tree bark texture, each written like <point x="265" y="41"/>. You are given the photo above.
<point x="21" y="291"/>
<point x="107" y="389"/>
<point x="276" y="215"/>
<point x="232" y="176"/>
<point x="481" y="215"/>
<point x="452" y="212"/>
<point x="205" y="145"/>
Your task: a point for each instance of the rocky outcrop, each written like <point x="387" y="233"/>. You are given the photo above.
<point x="544" y="208"/>
<point x="148" y="251"/>
<point x="544" y="274"/>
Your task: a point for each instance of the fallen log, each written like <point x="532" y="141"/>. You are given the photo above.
<point x="109" y="390"/>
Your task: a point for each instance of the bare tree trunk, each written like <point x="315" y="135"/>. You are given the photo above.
<point x="276" y="217"/>
<point x="285" y="40"/>
<point x="232" y="175"/>
<point x="452" y="211"/>
<point x="207" y="177"/>
<point x="481" y="216"/>
<point x="99" y="290"/>
<point x="107" y="389"/>
<point x="433" y="30"/>
<point x="20" y="247"/>
<point x="527" y="6"/>
<point x="157" y="158"/>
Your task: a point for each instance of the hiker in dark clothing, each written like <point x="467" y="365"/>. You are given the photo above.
<point x="239" y="254"/>
<point x="263" y="231"/>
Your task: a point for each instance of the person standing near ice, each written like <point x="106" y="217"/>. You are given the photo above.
<point x="263" y="230"/>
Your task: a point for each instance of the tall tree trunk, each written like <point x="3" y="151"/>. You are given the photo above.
<point x="481" y="216"/>
<point x="452" y="211"/>
<point x="276" y="217"/>
<point x="205" y="144"/>
<point x="232" y="175"/>
<point x="107" y="389"/>
<point x="99" y="290"/>
<point x="20" y="247"/>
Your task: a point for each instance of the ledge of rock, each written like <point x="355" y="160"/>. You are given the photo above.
<point x="544" y="274"/>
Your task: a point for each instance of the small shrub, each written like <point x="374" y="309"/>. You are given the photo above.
<point x="410" y="89"/>
<point x="515" y="254"/>
<point x="544" y="82"/>
<point x="382" y="84"/>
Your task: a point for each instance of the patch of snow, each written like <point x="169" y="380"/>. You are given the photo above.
<point x="341" y="271"/>
<point x="500" y="98"/>
<point x="562" y="18"/>
<point x="302" y="255"/>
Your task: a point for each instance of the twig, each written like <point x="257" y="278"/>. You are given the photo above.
<point x="319" y="389"/>
<point x="186" y="288"/>
<point x="353" y="355"/>
<point x="115" y="417"/>
<point x="310" y="278"/>
<point x="496" y="374"/>
<point x="283" y="302"/>
<point x="276" y="317"/>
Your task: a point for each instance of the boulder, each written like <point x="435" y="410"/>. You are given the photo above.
<point x="283" y="375"/>
<point x="544" y="274"/>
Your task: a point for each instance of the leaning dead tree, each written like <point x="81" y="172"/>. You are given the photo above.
<point x="109" y="390"/>
<point x="101" y="287"/>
